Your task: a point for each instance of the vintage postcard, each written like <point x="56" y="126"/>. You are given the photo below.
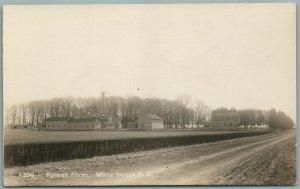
<point x="149" y="94"/>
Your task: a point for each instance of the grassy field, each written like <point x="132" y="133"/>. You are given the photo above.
<point x="33" y="153"/>
<point x="34" y="137"/>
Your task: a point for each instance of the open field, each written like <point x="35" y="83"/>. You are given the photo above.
<point x="268" y="159"/>
<point x="26" y="136"/>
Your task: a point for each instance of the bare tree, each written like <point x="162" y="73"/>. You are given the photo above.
<point x="202" y="112"/>
<point x="184" y="101"/>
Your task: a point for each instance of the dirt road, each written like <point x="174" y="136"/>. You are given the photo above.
<point x="260" y="160"/>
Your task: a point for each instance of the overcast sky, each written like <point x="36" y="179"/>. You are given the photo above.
<point x="233" y="55"/>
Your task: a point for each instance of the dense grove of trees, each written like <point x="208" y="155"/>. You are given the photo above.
<point x="179" y="113"/>
<point x="279" y="120"/>
<point x="176" y="114"/>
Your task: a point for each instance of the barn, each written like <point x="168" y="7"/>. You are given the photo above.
<point x="102" y="122"/>
<point x="19" y="126"/>
<point x="227" y="119"/>
<point x="150" y="122"/>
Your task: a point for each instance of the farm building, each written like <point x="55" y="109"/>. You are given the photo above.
<point x="227" y="118"/>
<point x="104" y="121"/>
<point x="147" y="122"/>
<point x="19" y="126"/>
<point x="107" y="120"/>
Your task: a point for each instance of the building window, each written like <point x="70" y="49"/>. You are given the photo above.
<point x="230" y="124"/>
<point x="224" y="124"/>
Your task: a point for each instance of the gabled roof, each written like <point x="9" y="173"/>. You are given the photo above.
<point x="153" y="116"/>
<point x="228" y="113"/>
<point x="98" y="115"/>
<point x="88" y="119"/>
<point x="58" y="119"/>
<point x="23" y="124"/>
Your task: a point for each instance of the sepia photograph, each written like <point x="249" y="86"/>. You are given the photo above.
<point x="149" y="94"/>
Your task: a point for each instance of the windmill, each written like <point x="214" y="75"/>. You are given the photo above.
<point x="103" y="93"/>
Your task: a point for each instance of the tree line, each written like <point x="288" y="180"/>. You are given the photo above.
<point x="179" y="113"/>
<point x="176" y="114"/>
